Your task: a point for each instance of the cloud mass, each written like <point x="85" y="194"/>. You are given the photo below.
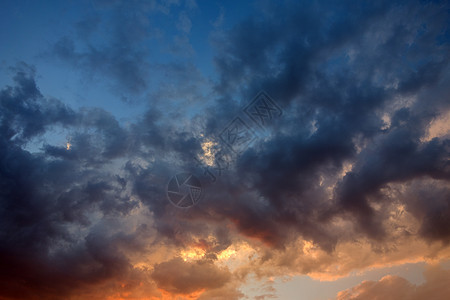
<point x="353" y="174"/>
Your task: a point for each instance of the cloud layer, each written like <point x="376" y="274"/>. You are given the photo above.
<point x="351" y="174"/>
<point x="394" y="287"/>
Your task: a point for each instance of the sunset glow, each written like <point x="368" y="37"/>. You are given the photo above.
<point x="224" y="150"/>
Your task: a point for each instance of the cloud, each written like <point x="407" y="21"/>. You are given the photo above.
<point x="46" y="198"/>
<point x="394" y="287"/>
<point x="327" y="74"/>
<point x="121" y="42"/>
<point x="112" y="43"/>
<point x="180" y="277"/>
<point x="126" y="65"/>
<point x="348" y="178"/>
<point x="23" y="117"/>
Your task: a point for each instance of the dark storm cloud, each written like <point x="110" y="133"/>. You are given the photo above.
<point x="335" y="81"/>
<point x="398" y="156"/>
<point x="279" y="53"/>
<point x="44" y="195"/>
<point x="336" y="69"/>
<point x="338" y="74"/>
<point x="429" y="202"/>
<point x="49" y="197"/>
<point x="22" y="115"/>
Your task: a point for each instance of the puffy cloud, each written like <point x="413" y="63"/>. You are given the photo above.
<point x="327" y="73"/>
<point x="394" y="287"/>
<point x="350" y="176"/>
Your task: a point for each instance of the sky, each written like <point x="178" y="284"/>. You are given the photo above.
<point x="171" y="149"/>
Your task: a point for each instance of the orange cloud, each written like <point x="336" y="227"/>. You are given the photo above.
<point x="182" y="277"/>
<point x="396" y="288"/>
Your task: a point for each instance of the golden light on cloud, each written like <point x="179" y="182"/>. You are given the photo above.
<point x="350" y="257"/>
<point x="208" y="152"/>
<point x="226" y="254"/>
<point x="309" y="249"/>
<point x="189" y="181"/>
<point x="170" y="296"/>
<point x="439" y="127"/>
<point x="192" y="254"/>
<point x="198" y="253"/>
<point x="238" y="256"/>
<point x="233" y="257"/>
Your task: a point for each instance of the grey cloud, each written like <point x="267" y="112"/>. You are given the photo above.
<point x="335" y="71"/>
